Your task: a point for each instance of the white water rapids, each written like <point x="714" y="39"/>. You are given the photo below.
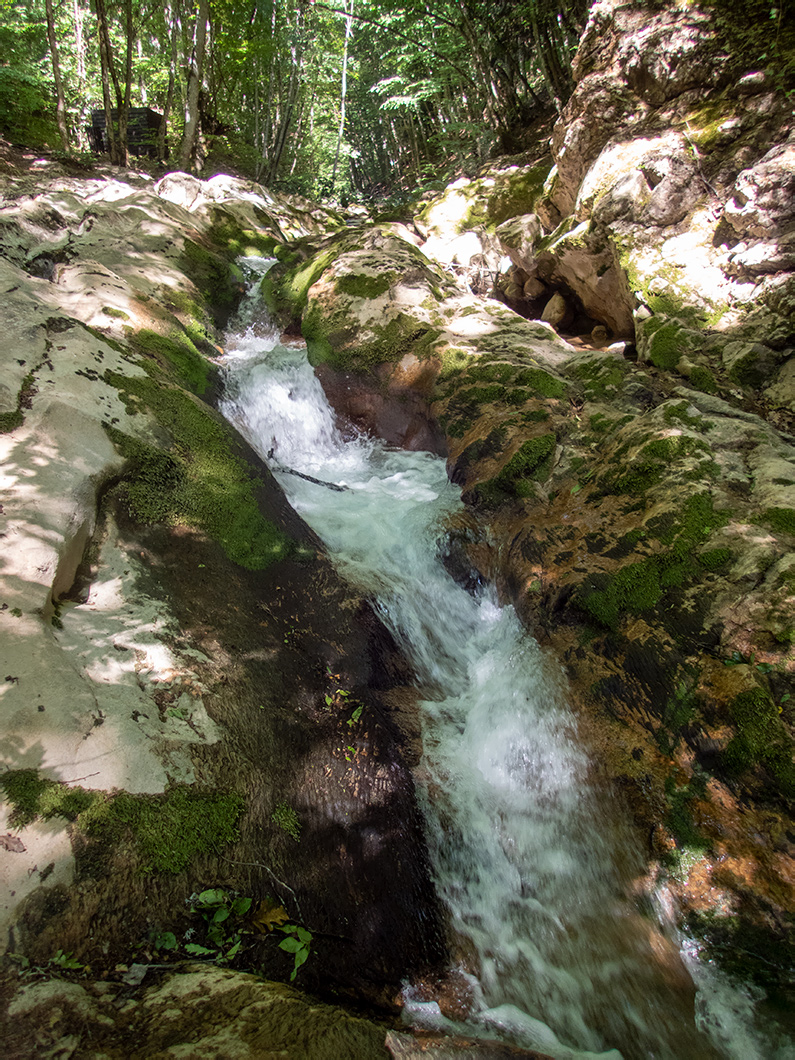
<point x="527" y="857"/>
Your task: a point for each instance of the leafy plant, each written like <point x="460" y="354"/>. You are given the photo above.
<point x="165" y="940"/>
<point x="335" y="698"/>
<point x="270" y="916"/>
<point x="298" y="942"/>
<point x="67" y="962"/>
<point x="221" y="912"/>
<point x="356" y="715"/>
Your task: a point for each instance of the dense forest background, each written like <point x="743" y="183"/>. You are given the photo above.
<point x="318" y="98"/>
<point x="343" y="98"/>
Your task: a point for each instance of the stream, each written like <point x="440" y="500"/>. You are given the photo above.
<point x="530" y="855"/>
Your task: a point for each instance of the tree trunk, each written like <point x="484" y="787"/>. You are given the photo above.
<point x="343" y="94"/>
<point x="60" y="102"/>
<point x="106" y="64"/>
<point x="84" y="118"/>
<point x="124" y="110"/>
<point x="195" y="76"/>
<point x="172" y="16"/>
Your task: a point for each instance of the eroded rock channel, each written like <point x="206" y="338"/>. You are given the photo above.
<point x="195" y="701"/>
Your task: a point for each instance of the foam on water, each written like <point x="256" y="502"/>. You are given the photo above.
<point x="529" y="857"/>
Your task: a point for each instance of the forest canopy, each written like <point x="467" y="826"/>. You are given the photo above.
<point x="339" y="97"/>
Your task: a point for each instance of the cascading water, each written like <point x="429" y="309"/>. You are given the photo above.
<point x="527" y="854"/>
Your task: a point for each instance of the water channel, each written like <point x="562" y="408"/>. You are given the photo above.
<point x="530" y="855"/>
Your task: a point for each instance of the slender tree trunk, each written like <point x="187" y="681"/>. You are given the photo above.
<point x="343" y="93"/>
<point x="124" y="109"/>
<point x="106" y="65"/>
<point x="195" y="75"/>
<point x="172" y="14"/>
<point x="60" y="102"/>
<point x="78" y="16"/>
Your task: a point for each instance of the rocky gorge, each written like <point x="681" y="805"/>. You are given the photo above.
<point x="598" y="336"/>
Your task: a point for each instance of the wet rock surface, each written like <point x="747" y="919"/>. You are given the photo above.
<point x="174" y="636"/>
<point x="633" y="498"/>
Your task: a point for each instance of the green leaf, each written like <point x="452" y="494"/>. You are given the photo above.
<point x="241" y="906"/>
<point x="199" y="951"/>
<point x="291" y="945"/>
<point x="221" y="915"/>
<point x="215" y="896"/>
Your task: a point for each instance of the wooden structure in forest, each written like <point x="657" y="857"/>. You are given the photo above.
<point x="143" y="126"/>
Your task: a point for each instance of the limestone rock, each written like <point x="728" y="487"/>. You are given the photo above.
<point x="134" y="685"/>
<point x="518" y="237"/>
<point x="762" y="203"/>
<point x="196" y="1011"/>
<point x="556" y="311"/>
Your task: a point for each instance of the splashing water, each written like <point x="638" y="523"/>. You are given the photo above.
<point x="529" y="856"/>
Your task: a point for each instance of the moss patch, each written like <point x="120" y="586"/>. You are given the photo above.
<point x="178" y="352"/>
<point x="9" y="421"/>
<point x="643" y="585"/>
<point x="782" y="520"/>
<point x="359" y="285"/>
<point x="530" y="462"/>
<point x="219" y="282"/>
<point x="168" y="830"/>
<point x="761" y="738"/>
<point x="199" y="483"/>
<point x="654" y="462"/>
<point x="600" y="376"/>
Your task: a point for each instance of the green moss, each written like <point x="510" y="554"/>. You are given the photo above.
<point x="679" y="816"/>
<point x="168" y="830"/>
<point x="387" y="342"/>
<point x="218" y="281"/>
<point x="541" y="382"/>
<point x="715" y="559"/>
<point x="782" y="520"/>
<point x="677" y="715"/>
<point x="676" y="412"/>
<point x="10" y="421"/>
<point x="748" y="371"/>
<point x="111" y="311"/>
<point x="534" y="416"/>
<point x="643" y="585"/>
<point x="666" y="347"/>
<point x="359" y="285"/>
<point x="492" y="372"/>
<point x="178" y="352"/>
<point x="653" y="463"/>
<point x="530" y="462"/>
<point x="600" y="376"/>
<point x="480" y="395"/>
<point x="515" y="194"/>
<point x="454" y="361"/>
<point x="287" y="819"/>
<point x="702" y="379"/>
<point x="285" y="288"/>
<point x="761" y="738"/>
<point x="634" y="588"/>
<point x="200" y="482"/>
<point x="237" y="241"/>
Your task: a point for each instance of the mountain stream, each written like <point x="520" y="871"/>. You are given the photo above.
<point x="528" y="851"/>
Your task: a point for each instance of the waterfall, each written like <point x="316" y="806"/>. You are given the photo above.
<point x="529" y="854"/>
